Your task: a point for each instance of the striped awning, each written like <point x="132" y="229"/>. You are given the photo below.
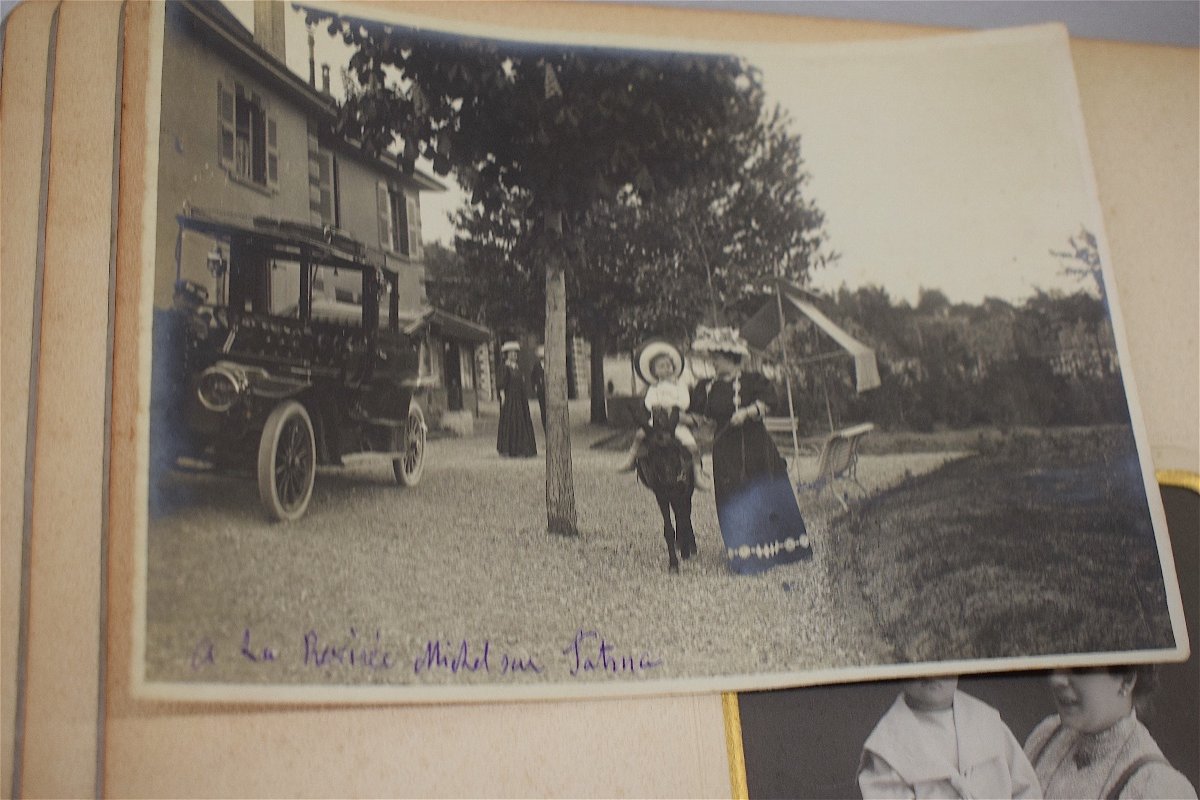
<point x="762" y="328"/>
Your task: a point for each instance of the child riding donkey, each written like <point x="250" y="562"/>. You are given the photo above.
<point x="660" y="364"/>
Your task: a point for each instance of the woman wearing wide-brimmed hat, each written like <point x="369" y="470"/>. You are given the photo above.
<point x="514" y="436"/>
<point x="760" y="521"/>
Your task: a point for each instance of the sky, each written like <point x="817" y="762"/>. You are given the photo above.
<point x="957" y="169"/>
<point x="955" y="166"/>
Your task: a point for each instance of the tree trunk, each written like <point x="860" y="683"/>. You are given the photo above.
<point x="599" y="391"/>
<point x="560" y="483"/>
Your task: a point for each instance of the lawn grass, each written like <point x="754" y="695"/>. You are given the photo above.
<point x="1039" y="544"/>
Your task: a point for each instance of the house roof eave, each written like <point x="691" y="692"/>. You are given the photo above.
<point x="389" y="163"/>
<point x="231" y="33"/>
<point x="427" y="182"/>
<point x="452" y="325"/>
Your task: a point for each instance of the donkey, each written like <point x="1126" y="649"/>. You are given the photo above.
<point x="665" y="467"/>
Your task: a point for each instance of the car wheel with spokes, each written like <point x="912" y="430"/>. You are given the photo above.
<point x="409" y="467"/>
<point x="287" y="462"/>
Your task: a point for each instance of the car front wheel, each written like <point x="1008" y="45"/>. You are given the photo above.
<point x="409" y="467"/>
<point x="287" y="462"/>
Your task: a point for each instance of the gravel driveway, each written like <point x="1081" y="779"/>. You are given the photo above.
<point x="455" y="582"/>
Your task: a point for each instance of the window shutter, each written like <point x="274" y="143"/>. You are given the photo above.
<point x="414" y="229"/>
<point x="272" y="152"/>
<point x="314" y="191"/>
<point x="400" y="221"/>
<point x="335" y="214"/>
<point x="325" y="177"/>
<point x="385" y="216"/>
<point x="320" y="186"/>
<point x="225" y="126"/>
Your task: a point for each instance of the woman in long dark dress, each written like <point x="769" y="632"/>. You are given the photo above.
<point x="760" y="521"/>
<point x="514" y="436"/>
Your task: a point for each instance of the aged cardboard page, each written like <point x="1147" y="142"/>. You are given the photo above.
<point x="64" y="649"/>
<point x="29" y="38"/>
<point x="1141" y="104"/>
<point x="592" y="748"/>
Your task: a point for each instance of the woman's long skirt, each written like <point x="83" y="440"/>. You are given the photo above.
<point x="756" y="508"/>
<point x="514" y="436"/>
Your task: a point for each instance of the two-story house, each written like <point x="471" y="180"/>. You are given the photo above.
<point x="241" y="136"/>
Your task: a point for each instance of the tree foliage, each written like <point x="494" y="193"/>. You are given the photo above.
<point x="568" y="125"/>
<point x="554" y="129"/>
<point x="1082" y="260"/>
<point x="710" y="247"/>
<point x="1050" y="360"/>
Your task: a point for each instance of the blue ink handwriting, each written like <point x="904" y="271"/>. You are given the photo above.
<point x="253" y="653"/>
<point x="467" y="659"/>
<point x="590" y="652"/>
<point x="368" y="654"/>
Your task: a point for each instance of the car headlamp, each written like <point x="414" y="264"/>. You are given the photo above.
<point x="219" y="388"/>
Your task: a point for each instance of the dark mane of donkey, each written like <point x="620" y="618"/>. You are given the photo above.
<point x="665" y="467"/>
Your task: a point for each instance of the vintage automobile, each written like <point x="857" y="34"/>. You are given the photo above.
<point x="291" y="356"/>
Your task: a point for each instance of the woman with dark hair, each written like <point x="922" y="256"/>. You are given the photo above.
<point x="514" y="436"/>
<point x="760" y="521"/>
<point x="1095" y="746"/>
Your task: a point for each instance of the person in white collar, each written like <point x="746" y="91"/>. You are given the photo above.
<point x="660" y="364"/>
<point x="1095" y="746"/>
<point x="936" y="741"/>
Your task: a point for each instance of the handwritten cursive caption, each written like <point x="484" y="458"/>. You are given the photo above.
<point x="589" y="653"/>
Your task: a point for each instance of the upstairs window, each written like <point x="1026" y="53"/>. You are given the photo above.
<point x="399" y="221"/>
<point x="249" y="136"/>
<point x="322" y="204"/>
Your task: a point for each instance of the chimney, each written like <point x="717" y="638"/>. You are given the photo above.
<point x="312" y="62"/>
<point x="325" y="78"/>
<point x="268" y="27"/>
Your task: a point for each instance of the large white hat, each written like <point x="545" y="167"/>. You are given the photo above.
<point x="651" y="350"/>
<point x="510" y="347"/>
<point x="720" y="340"/>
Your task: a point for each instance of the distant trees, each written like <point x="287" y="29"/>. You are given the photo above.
<point x="658" y="266"/>
<point x="1081" y="259"/>
<point x="1048" y="361"/>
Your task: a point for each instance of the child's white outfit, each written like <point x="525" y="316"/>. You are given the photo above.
<point x="965" y="751"/>
<point x="668" y="394"/>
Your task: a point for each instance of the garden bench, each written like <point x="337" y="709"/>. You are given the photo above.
<point x="778" y="425"/>
<point x="839" y="461"/>
<point x="780" y="429"/>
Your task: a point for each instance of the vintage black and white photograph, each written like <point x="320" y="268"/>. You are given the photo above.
<point x="1120" y="731"/>
<point x="493" y="364"/>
